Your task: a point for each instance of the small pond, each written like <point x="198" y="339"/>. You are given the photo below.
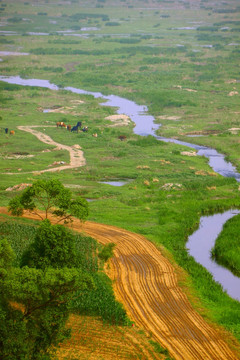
<point x="115" y="182"/>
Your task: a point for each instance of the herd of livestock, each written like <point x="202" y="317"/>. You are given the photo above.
<point x="76" y="128"/>
<point x="62" y="125"/>
<point x="7" y="131"/>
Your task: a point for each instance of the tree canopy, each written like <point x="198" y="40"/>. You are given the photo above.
<point x="51" y="197"/>
<point x="53" y="246"/>
<point x="35" y="298"/>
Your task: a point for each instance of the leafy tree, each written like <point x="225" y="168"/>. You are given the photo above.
<point x="34" y="306"/>
<point x="53" y="246"/>
<point x="51" y="196"/>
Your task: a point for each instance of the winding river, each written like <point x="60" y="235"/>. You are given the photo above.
<point x="200" y="243"/>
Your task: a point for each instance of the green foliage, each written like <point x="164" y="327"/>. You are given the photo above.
<point x="50" y="195"/>
<point x="15" y="19"/>
<point x="112" y="23"/>
<point x="226" y="250"/>
<point x="107" y="252"/>
<point x="7" y="256"/>
<point x="22" y="236"/>
<point x="53" y="246"/>
<point x="159" y="349"/>
<point x="3" y="40"/>
<point x="19" y="237"/>
<point x="35" y="303"/>
<point x="82" y="16"/>
<point x="30" y="242"/>
<point x="86" y="249"/>
<point x="101" y="302"/>
<point x="146" y="141"/>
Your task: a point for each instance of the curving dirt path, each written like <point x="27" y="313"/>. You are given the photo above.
<point x="76" y="156"/>
<point x="146" y="283"/>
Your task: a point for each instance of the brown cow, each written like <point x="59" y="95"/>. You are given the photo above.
<point x="69" y="127"/>
<point x="122" y="137"/>
<point x="61" y="124"/>
<point x="12" y="132"/>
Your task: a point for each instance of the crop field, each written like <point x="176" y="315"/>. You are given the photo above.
<point x="180" y="59"/>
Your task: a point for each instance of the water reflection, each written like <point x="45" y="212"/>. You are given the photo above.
<point x="115" y="182"/>
<point x="202" y="241"/>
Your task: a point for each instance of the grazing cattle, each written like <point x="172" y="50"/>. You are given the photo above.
<point x="6" y="130"/>
<point x="74" y="128"/>
<point x="69" y="127"/>
<point x="61" y="124"/>
<point x="94" y="135"/>
<point x="12" y="132"/>
<point x="122" y="137"/>
<point x="77" y="127"/>
<point x="85" y="129"/>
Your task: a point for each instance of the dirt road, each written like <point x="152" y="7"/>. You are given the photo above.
<point x="146" y="283"/>
<point x="76" y="156"/>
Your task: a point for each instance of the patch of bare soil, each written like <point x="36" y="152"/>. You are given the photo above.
<point x="76" y="155"/>
<point x="234" y="130"/>
<point x="146" y="283"/>
<point x="189" y="153"/>
<point x="186" y="89"/>
<point x="203" y="132"/>
<point x="18" y="187"/>
<point x="232" y="93"/>
<point x="119" y="120"/>
<point x="166" y="117"/>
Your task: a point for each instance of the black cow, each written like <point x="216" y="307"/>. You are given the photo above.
<point x="76" y="127"/>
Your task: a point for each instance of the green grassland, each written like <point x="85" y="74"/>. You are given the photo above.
<point x="181" y="59"/>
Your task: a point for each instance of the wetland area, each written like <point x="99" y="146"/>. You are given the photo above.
<point x="156" y="85"/>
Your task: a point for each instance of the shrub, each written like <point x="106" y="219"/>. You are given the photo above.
<point x="107" y="252"/>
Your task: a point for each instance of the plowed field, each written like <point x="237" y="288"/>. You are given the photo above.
<point x="146" y="283"/>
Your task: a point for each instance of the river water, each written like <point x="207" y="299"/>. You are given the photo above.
<point x="200" y="243"/>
